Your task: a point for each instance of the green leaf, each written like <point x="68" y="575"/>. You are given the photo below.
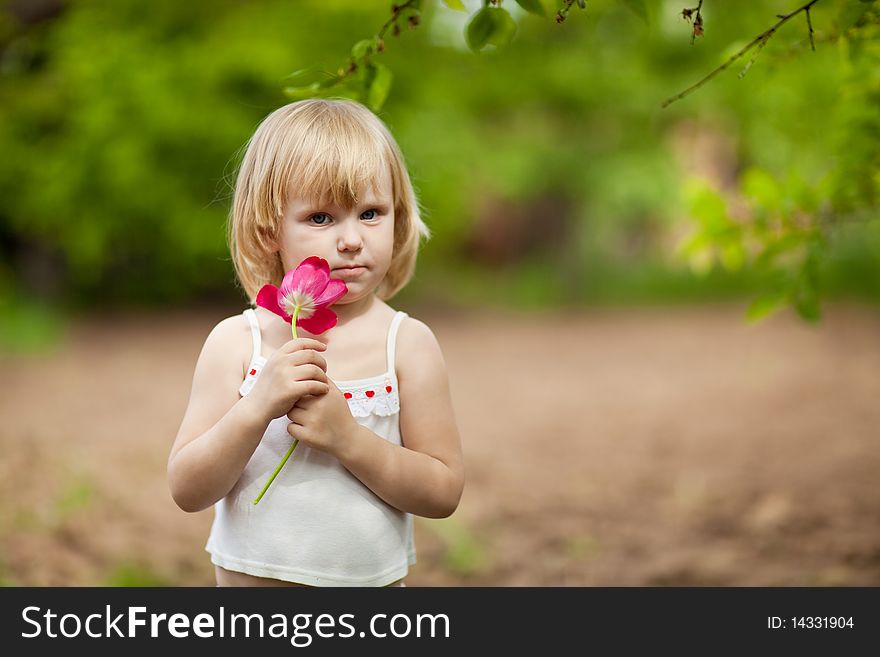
<point x="532" y="6"/>
<point x="301" y="75"/>
<point x="301" y="93"/>
<point x="490" y="25"/>
<point x="457" y="5"/>
<point x="505" y="28"/>
<point x="480" y="29"/>
<point x="638" y="8"/>
<point x="299" y="89"/>
<point x="303" y="80"/>
<point x="765" y="304"/>
<point x="332" y="81"/>
<point x="362" y="47"/>
<point x="379" y="86"/>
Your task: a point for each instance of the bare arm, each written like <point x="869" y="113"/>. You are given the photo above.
<point x="426" y="475"/>
<point x="220" y="430"/>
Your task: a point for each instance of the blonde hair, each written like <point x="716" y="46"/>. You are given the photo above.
<point x="325" y="149"/>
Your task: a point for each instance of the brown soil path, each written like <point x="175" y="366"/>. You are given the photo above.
<point x="674" y="446"/>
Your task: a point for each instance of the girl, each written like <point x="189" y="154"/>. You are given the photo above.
<point x="368" y="399"/>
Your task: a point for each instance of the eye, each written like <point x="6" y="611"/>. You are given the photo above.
<point x="375" y="214"/>
<point x="317" y="216"/>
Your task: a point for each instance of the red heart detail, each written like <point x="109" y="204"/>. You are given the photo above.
<point x="253" y="372"/>
<point x="387" y="388"/>
<point x="370" y="393"/>
<point x="347" y="395"/>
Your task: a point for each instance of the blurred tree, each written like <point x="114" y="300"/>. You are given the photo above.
<point x="119" y="123"/>
<point x="787" y="219"/>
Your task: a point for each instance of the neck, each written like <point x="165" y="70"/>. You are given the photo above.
<point x="349" y="311"/>
<point x="345" y="313"/>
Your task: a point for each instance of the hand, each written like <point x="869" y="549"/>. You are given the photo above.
<point x="295" y="370"/>
<point x="324" y="422"/>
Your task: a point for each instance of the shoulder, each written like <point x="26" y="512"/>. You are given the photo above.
<point x="228" y="342"/>
<point x="418" y="349"/>
<point x="414" y="332"/>
<point x="228" y="331"/>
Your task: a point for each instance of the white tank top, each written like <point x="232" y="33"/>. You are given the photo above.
<point x="317" y="524"/>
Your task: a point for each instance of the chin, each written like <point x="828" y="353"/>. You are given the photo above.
<point x="348" y="298"/>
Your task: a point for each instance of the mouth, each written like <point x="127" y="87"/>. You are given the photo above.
<point x="350" y="271"/>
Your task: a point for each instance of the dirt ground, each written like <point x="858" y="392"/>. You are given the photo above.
<point x="662" y="446"/>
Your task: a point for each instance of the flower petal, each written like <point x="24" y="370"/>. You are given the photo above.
<point x="310" y="277"/>
<point x="267" y="298"/>
<point x="324" y="319"/>
<point x="334" y="291"/>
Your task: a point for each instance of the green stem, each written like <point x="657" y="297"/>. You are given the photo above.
<point x="293" y="321"/>
<point x="277" y="470"/>
<point x="296" y="440"/>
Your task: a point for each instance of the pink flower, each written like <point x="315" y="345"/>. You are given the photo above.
<point x="303" y="300"/>
<point x="305" y="294"/>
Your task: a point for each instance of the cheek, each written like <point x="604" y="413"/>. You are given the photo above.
<point x="388" y="240"/>
<point x="299" y="245"/>
<point x="382" y="252"/>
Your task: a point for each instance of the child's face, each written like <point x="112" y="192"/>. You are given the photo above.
<point x="363" y="236"/>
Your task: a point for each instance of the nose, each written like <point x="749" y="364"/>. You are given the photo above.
<point x="350" y="237"/>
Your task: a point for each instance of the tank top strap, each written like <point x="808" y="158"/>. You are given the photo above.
<point x="255" y="332"/>
<point x="392" y="338"/>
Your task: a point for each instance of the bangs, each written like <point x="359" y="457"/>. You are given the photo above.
<point x="336" y="161"/>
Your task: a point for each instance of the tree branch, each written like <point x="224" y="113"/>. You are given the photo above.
<point x="396" y="11"/>
<point x="759" y="41"/>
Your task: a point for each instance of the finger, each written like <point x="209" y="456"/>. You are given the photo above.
<point x="297" y="431"/>
<point x="298" y="344"/>
<point x="301" y="406"/>
<point x="309" y="373"/>
<point x="311" y="387"/>
<point x="308" y="356"/>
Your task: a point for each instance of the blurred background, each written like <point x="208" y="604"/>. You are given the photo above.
<point x="596" y="269"/>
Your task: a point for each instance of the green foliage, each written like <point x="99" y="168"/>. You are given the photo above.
<point x="490" y="25"/>
<point x="377" y="84"/>
<point x="27" y="326"/>
<point x="532" y="6"/>
<point x="120" y="128"/>
<point x="789" y="213"/>
<point x="777" y="238"/>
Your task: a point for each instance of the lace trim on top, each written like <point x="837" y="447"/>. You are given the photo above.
<point x="375" y="395"/>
